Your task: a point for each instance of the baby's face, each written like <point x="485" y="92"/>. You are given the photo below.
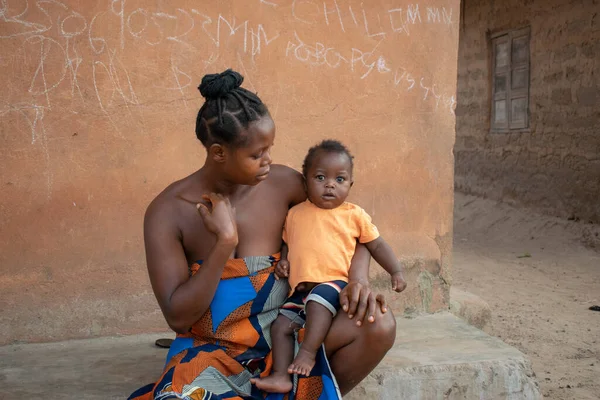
<point x="329" y="179"/>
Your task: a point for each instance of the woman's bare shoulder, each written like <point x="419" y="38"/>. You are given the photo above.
<point x="283" y="171"/>
<point x="288" y="181"/>
<point x="167" y="201"/>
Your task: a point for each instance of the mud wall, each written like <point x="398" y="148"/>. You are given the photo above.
<point x="554" y="165"/>
<point x="98" y="110"/>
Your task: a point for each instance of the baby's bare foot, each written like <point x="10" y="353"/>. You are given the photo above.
<point x="274" y="383"/>
<point x="303" y="363"/>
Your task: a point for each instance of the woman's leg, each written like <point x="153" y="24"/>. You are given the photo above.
<point x="354" y="351"/>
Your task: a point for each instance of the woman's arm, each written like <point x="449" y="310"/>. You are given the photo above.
<point x="293" y="183"/>
<point x="183" y="300"/>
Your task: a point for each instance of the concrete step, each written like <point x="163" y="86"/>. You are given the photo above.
<point x="442" y="357"/>
<point x="435" y="357"/>
<point x="470" y="308"/>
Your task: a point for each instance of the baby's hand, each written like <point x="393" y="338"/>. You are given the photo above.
<point x="398" y="282"/>
<point x="282" y="270"/>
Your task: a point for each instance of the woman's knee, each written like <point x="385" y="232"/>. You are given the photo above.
<point x="383" y="331"/>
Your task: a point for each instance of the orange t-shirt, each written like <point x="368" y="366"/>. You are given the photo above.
<point x="322" y="242"/>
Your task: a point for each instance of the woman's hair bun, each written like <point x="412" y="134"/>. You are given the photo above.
<point x="218" y="85"/>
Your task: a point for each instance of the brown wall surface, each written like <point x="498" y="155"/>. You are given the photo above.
<point x="98" y="112"/>
<point x="555" y="165"/>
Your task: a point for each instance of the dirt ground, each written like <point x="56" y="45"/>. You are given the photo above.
<point x="540" y="275"/>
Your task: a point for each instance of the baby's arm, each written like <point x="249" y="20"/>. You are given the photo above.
<point x="282" y="270"/>
<point x="384" y="255"/>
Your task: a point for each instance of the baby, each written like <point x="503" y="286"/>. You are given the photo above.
<point x="320" y="238"/>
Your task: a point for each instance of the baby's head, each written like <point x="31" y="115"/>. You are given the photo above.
<point x="327" y="171"/>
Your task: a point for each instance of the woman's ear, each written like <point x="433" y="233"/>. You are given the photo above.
<point x="217" y="153"/>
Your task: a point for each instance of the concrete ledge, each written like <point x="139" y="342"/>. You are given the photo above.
<point x="436" y="357"/>
<point x="442" y="357"/>
<point x="470" y="308"/>
<point x="94" y="369"/>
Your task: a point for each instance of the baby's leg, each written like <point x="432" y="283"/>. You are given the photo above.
<point x="282" y="338"/>
<point x="321" y="306"/>
<point x="318" y="322"/>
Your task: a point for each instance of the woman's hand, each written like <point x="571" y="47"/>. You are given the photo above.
<point x="221" y="219"/>
<point x="359" y="301"/>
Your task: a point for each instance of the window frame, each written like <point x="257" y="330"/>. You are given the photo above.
<point x="510" y="94"/>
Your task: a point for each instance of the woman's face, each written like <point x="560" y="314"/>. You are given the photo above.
<point x="250" y="164"/>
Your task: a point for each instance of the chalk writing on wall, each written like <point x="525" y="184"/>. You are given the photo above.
<point x="364" y="63"/>
<point x="60" y="46"/>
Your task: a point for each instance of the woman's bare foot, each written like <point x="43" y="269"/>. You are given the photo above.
<point x="274" y="383"/>
<point x="303" y="363"/>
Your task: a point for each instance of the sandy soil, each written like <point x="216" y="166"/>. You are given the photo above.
<point x="540" y="275"/>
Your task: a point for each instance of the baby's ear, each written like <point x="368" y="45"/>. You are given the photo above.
<point x="304" y="183"/>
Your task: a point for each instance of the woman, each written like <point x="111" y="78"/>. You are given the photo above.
<point x="212" y="240"/>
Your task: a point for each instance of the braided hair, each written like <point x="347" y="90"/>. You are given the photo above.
<point x="227" y="109"/>
<point x="327" y="146"/>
